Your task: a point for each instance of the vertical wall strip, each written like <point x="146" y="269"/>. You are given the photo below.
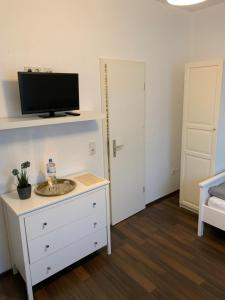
<point x="107" y="113"/>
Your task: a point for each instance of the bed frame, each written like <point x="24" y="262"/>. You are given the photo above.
<point x="208" y="214"/>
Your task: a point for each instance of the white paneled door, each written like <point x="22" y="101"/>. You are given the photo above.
<point x="123" y="90"/>
<point x="201" y="102"/>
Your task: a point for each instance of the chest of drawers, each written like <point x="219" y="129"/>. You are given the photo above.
<point x="48" y="234"/>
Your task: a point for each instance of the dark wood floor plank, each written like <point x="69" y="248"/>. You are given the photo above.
<point x="129" y="288"/>
<point x="133" y="272"/>
<point x="81" y="273"/>
<point x="156" y="255"/>
<point x="142" y="258"/>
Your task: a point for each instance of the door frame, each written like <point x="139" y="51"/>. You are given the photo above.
<point x="104" y="109"/>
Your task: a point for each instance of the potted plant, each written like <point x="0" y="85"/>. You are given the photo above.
<point x="23" y="188"/>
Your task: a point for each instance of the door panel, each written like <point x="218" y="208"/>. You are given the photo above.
<point x="202" y="95"/>
<point x="199" y="141"/>
<point x="126" y="119"/>
<point x="196" y="169"/>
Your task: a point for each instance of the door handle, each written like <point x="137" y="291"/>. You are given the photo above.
<point x="116" y="148"/>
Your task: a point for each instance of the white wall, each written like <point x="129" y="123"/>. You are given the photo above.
<point x="208" y="43"/>
<point x="208" y="33"/>
<point x="70" y="36"/>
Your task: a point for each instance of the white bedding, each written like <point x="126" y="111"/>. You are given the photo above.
<point x="217" y="203"/>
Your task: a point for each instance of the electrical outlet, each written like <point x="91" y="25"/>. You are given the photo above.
<point x="174" y="171"/>
<point x="92" y="148"/>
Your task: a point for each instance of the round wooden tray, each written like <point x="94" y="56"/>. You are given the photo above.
<point x="62" y="187"/>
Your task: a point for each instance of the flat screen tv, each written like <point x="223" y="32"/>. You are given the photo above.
<point x="48" y="92"/>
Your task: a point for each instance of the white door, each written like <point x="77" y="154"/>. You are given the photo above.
<point x="123" y="93"/>
<point x="202" y="90"/>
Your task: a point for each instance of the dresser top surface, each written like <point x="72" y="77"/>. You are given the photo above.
<point x="84" y="182"/>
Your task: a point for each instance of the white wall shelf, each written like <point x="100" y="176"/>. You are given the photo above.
<point x="35" y="121"/>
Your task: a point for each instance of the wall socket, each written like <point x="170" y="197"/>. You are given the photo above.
<point x="92" y="148"/>
<point x="174" y="171"/>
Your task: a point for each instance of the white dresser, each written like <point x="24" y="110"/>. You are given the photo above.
<point x="47" y="234"/>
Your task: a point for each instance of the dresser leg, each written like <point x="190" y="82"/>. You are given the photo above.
<point x="109" y="251"/>
<point x="29" y="292"/>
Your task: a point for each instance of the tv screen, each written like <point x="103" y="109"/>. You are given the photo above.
<point x="48" y="92"/>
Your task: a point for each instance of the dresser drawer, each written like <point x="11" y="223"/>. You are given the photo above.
<point x="64" y="236"/>
<point x="50" y="265"/>
<point x="70" y="210"/>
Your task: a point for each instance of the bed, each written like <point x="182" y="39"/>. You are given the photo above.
<point x="211" y="209"/>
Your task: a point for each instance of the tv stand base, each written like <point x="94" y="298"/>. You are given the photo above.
<point x="53" y="115"/>
<point x="70" y="113"/>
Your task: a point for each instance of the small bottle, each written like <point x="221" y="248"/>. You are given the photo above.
<point x="51" y="172"/>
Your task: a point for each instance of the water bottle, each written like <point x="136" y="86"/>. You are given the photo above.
<point x="51" y="173"/>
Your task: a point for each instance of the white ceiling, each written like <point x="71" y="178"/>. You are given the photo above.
<point x="205" y="4"/>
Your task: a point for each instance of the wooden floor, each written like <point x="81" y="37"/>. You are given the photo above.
<point x="156" y="254"/>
